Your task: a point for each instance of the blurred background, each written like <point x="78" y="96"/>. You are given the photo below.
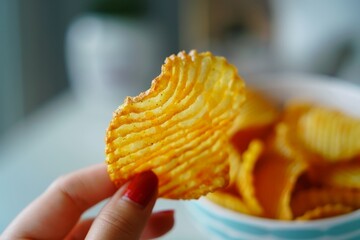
<point x="50" y="48"/>
<point x="66" y="65"/>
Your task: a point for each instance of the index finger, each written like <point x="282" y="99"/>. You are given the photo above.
<point x="57" y="210"/>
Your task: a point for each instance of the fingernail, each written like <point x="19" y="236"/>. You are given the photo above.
<point x="141" y="188"/>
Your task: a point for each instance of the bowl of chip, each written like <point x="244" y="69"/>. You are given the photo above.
<point x="294" y="182"/>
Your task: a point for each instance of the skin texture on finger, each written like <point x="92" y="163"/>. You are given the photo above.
<point x="58" y="209"/>
<point x="126" y="214"/>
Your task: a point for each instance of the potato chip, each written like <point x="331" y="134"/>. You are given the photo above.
<point x="275" y="178"/>
<point x="255" y="121"/>
<point x="328" y="210"/>
<point x="342" y="174"/>
<point x="178" y="128"/>
<point x="286" y="140"/>
<point x="309" y="199"/>
<point x="294" y="110"/>
<point x="332" y="134"/>
<point x="228" y="200"/>
<point x="285" y="143"/>
<point x="245" y="177"/>
<point x="235" y="166"/>
<point x="257" y="112"/>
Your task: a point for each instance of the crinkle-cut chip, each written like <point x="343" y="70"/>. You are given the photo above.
<point x="257" y="112"/>
<point x="294" y="109"/>
<point x="306" y="200"/>
<point x="242" y="138"/>
<point x="235" y="166"/>
<point x="245" y="177"/>
<point x="342" y="174"/>
<point x="287" y="144"/>
<point x="228" y="200"/>
<point x="275" y="178"/>
<point x="255" y="121"/>
<point x="178" y="128"/>
<point x="326" y="211"/>
<point x="285" y="140"/>
<point x="329" y="133"/>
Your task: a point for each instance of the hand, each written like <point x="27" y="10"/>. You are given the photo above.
<point x="127" y="215"/>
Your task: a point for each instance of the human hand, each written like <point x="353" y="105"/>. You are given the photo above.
<point x="56" y="214"/>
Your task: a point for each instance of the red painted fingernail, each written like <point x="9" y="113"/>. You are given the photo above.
<point x="141" y="188"/>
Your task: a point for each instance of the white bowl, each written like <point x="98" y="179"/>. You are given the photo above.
<point x="221" y="223"/>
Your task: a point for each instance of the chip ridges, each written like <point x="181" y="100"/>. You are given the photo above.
<point x="178" y="127"/>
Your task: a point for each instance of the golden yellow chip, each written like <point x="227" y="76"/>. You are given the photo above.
<point x="235" y="166"/>
<point x="342" y="174"/>
<point x="286" y="140"/>
<point x="309" y="199"/>
<point x="255" y="121"/>
<point x="178" y="128"/>
<point x="257" y="112"/>
<point x="228" y="200"/>
<point x="286" y="143"/>
<point x="328" y="210"/>
<point x="245" y="177"/>
<point x="329" y="133"/>
<point x="294" y="110"/>
<point x="275" y="178"/>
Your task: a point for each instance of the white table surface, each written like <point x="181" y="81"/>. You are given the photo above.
<point x="63" y="136"/>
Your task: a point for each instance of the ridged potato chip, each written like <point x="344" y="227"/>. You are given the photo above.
<point x="328" y="210"/>
<point x="235" y="166"/>
<point x="257" y="112"/>
<point x="294" y="110"/>
<point x="342" y="174"/>
<point x="228" y="200"/>
<point x="178" y="128"/>
<point x="245" y="178"/>
<point x="309" y="199"/>
<point x="275" y="178"/>
<point x="332" y="134"/>
<point x="286" y="134"/>
<point x="255" y="121"/>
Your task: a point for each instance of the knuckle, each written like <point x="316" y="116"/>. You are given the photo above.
<point x="66" y="187"/>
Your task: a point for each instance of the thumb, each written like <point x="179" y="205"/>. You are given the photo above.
<point x="126" y="214"/>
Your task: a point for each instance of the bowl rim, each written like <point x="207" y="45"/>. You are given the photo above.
<point x="275" y="223"/>
<point x="312" y="78"/>
<point x="302" y="86"/>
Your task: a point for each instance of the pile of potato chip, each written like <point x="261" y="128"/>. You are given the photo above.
<point x="300" y="162"/>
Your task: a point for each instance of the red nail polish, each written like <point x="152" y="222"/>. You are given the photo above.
<point x="141" y="188"/>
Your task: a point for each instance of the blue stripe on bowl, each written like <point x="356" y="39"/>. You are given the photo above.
<point x="298" y="233"/>
<point x="344" y="228"/>
<point x="220" y="233"/>
<point x="239" y="226"/>
<point x="354" y="238"/>
<point x="213" y="223"/>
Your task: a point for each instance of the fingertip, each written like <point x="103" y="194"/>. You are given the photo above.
<point x="127" y="212"/>
<point x="142" y="188"/>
